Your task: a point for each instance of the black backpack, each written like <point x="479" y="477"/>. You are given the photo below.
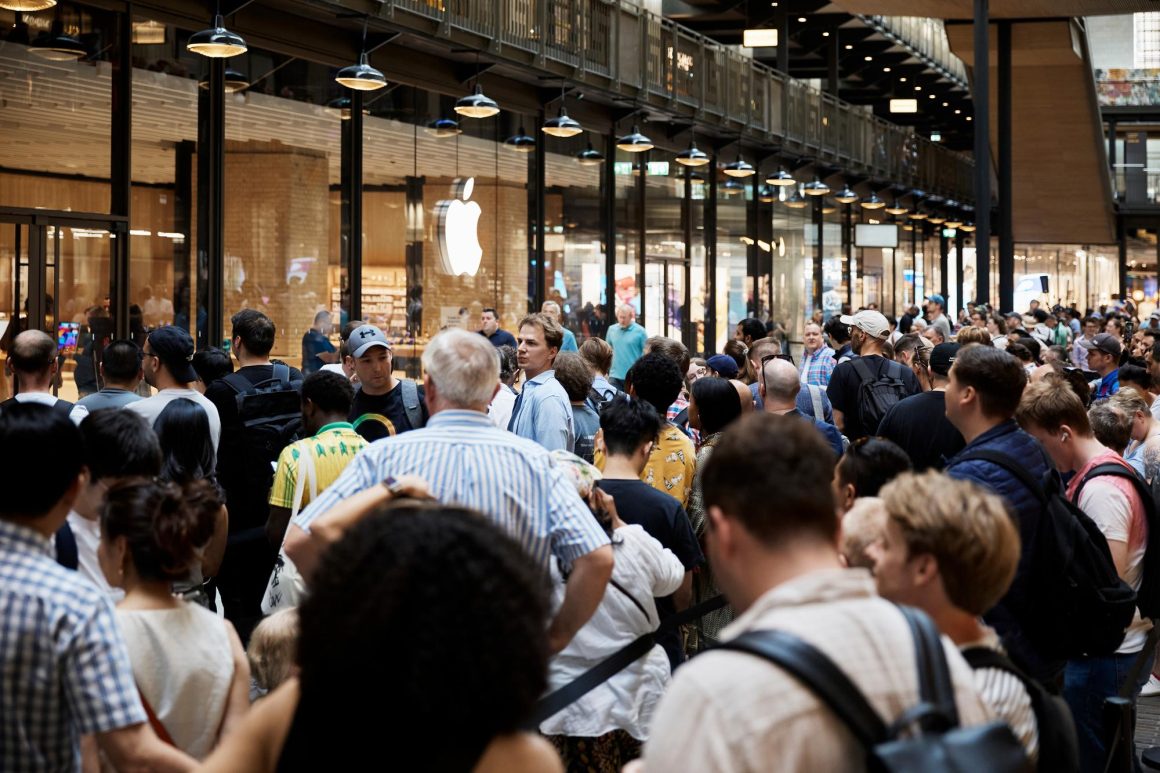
<point x="878" y="394"/>
<point x="1148" y="596"/>
<point x="60" y="406"/>
<point x="1078" y="604"/>
<point x="938" y="743"/>
<point x="597" y="399"/>
<point x="1058" y="745"/>
<point x="270" y="413"/>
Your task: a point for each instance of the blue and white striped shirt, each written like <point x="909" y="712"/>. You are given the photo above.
<point x="468" y="461"/>
<point x="64" y="668"/>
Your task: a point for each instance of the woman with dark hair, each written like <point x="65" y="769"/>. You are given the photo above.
<point x="453" y="689"/>
<point x="714" y="404"/>
<point x="187" y="455"/>
<point x="189" y="665"/>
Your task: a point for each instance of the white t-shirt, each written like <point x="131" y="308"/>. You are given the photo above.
<point x="77" y="414"/>
<point x="1006" y="696"/>
<point x="502" y="405"/>
<point x="151" y="408"/>
<point x="88" y="535"/>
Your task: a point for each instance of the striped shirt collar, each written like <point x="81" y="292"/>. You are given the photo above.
<point x="25" y="539"/>
<point x="460" y="417"/>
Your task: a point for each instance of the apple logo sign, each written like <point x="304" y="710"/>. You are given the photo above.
<point x="457" y="229"/>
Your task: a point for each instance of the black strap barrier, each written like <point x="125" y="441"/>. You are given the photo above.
<point x="559" y="700"/>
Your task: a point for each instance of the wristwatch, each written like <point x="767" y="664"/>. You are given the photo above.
<point x="392" y="485"/>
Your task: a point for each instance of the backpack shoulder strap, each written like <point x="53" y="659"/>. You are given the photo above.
<point x="237" y="382"/>
<point x="934" y="676"/>
<point x="862" y="368"/>
<point x="985" y="657"/>
<point x="1116" y="470"/>
<point x="1018" y="471"/>
<point x="410" y="395"/>
<point x="63" y="407"/>
<point x="819" y="675"/>
<point x="816" y="399"/>
<point x="282" y="373"/>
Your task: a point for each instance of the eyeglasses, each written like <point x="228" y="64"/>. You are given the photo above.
<point x="787" y="357"/>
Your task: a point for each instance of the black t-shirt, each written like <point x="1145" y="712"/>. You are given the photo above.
<point x="378" y="416"/>
<point x="665" y="520"/>
<point x="919" y="425"/>
<point x="846" y="385"/>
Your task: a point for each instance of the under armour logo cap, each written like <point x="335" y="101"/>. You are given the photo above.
<point x="365" y="337"/>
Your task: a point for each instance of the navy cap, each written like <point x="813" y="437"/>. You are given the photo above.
<point x="724" y="365"/>
<point x="174" y="347"/>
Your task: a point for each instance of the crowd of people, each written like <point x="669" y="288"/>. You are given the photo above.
<point x="590" y="555"/>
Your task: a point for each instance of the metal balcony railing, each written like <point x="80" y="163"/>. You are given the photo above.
<point x="663" y="65"/>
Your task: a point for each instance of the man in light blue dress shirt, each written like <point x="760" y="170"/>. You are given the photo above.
<point x="542" y="412"/>
<point x="552" y="309"/>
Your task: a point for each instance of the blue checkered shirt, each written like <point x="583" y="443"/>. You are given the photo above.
<point x="816" y="368"/>
<point x="468" y="461"/>
<point x="64" y="668"/>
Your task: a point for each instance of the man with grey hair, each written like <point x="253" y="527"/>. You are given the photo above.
<point x="779" y="386"/>
<point x="466" y="460"/>
<point x="627" y="340"/>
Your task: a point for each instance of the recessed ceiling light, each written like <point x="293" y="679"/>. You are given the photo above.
<point x="802" y="19"/>
<point x="868" y="58"/>
<point x="969" y="118"/>
<point x="918" y="88"/>
<point x="946" y="104"/>
<point x="958" y="111"/>
<point x="825" y="34"/>
<point x="849" y="47"/>
<point x="885" y="69"/>
<point x="902" y="79"/>
<point x="931" y="96"/>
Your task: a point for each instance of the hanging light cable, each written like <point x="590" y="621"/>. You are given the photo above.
<point x="361" y="76"/>
<point x="563" y="125"/>
<point x="634" y="142"/>
<point x="590" y="156"/>
<point x="739" y="168"/>
<point x="692" y="155"/>
<point x="477" y="104"/>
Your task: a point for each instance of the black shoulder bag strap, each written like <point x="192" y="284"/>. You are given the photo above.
<point x="282" y="373"/>
<point x="863" y="369"/>
<point x="1010" y="465"/>
<point x="1114" y="469"/>
<point x="819" y="675"/>
<point x="237" y="382"/>
<point x="935" y="689"/>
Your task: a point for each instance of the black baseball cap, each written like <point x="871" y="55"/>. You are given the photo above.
<point x="174" y="346"/>
<point x="942" y="357"/>
<point x="1104" y="342"/>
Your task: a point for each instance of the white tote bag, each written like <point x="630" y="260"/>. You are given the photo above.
<point x="286" y="587"/>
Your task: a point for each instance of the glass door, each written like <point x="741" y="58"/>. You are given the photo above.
<point x="665" y="309"/>
<point x="56" y="275"/>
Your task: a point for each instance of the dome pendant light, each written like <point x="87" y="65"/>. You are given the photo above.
<point x="477" y="104"/>
<point x="27" y="6"/>
<point x="918" y="214"/>
<point x="873" y="202"/>
<point x="954" y="223"/>
<point x="520" y="142"/>
<point x="766" y="195"/>
<point x="968" y="227"/>
<point x="796" y="201"/>
<point x="563" y="125"/>
<point x="896" y="209"/>
<point x="782" y="179"/>
<point x="828" y="208"/>
<point x="634" y="142"/>
<point x="846" y="195"/>
<point x="233" y="83"/>
<point x="361" y="76"/>
<point x="57" y="46"/>
<point x="937" y="219"/>
<point x="739" y="168"/>
<point x="815" y="188"/>
<point x="692" y="156"/>
<point x="217" y="42"/>
<point x="590" y="156"/>
<point x="444" y="127"/>
<point x="732" y="188"/>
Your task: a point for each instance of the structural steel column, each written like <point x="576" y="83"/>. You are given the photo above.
<point x="352" y="198"/>
<point x="710" y="235"/>
<point x="850" y="272"/>
<point x="982" y="153"/>
<point x="1006" y="299"/>
<point x="121" y="170"/>
<point x="211" y="162"/>
<point x="608" y="225"/>
<point x="819" y="251"/>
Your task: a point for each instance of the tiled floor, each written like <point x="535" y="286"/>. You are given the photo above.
<point x="1148" y="726"/>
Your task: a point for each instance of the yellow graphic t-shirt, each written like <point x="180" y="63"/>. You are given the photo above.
<point x="670" y="466"/>
<point x="332" y="448"/>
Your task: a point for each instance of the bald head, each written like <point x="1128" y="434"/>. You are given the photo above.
<point x="780" y="385"/>
<point x="862" y="526"/>
<point x="31" y="358"/>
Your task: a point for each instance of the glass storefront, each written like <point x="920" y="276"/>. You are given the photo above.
<point x="634" y="228"/>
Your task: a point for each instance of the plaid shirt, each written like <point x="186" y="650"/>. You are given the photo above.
<point x="64" y="668"/>
<point x="817" y="367"/>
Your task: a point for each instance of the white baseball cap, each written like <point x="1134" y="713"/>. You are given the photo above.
<point x="871" y="322"/>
